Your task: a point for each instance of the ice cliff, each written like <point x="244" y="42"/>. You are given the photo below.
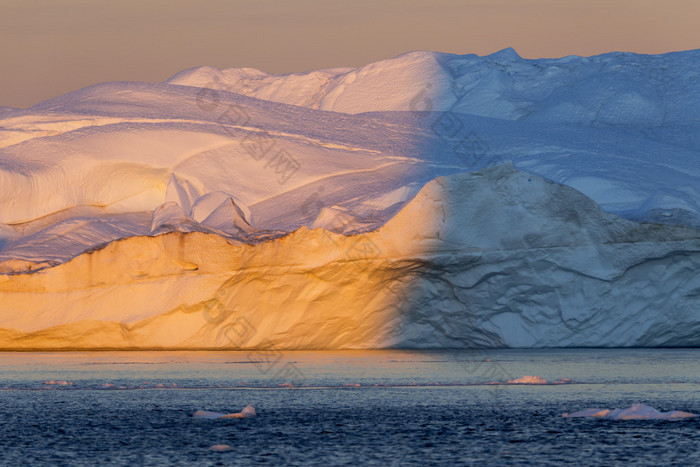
<point x="426" y="201"/>
<point x="491" y="258"/>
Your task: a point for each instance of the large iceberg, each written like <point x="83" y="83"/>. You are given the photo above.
<point x="426" y="201"/>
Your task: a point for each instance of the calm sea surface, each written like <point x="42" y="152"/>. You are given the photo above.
<point x="346" y="408"/>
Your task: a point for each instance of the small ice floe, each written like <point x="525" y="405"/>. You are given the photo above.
<point x="636" y="412"/>
<point x="59" y="382"/>
<point x="248" y="411"/>
<point x="527" y="379"/>
<point x="220" y="447"/>
<point x="563" y="381"/>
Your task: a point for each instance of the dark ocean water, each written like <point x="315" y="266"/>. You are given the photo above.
<point x="346" y="408"/>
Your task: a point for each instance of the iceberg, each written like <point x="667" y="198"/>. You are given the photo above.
<point x="59" y="382"/>
<point x="635" y="412"/>
<point x="220" y="448"/>
<point x="248" y="411"/>
<point x="528" y="380"/>
<point x="431" y="200"/>
<point x="569" y="275"/>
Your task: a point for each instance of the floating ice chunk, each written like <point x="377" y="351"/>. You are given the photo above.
<point x="528" y="380"/>
<point x="248" y="411"/>
<point x="597" y="413"/>
<point x="563" y="381"/>
<point x="635" y="412"/>
<point x="207" y="414"/>
<point x="220" y="447"/>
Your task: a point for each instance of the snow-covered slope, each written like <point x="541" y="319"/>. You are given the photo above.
<point x="269" y="191"/>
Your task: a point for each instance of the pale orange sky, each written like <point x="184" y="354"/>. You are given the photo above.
<point x="49" y="47"/>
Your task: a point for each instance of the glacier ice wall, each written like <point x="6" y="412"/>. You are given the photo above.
<point x="487" y="259"/>
<point x="353" y="208"/>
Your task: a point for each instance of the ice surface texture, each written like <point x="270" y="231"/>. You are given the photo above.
<point x="491" y="258"/>
<point x="430" y="200"/>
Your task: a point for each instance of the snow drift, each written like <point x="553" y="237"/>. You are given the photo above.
<point x="425" y="201"/>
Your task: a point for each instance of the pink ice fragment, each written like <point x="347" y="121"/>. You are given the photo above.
<point x="248" y="411"/>
<point x="220" y="448"/>
<point x="528" y="380"/>
<point x="635" y="412"/>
